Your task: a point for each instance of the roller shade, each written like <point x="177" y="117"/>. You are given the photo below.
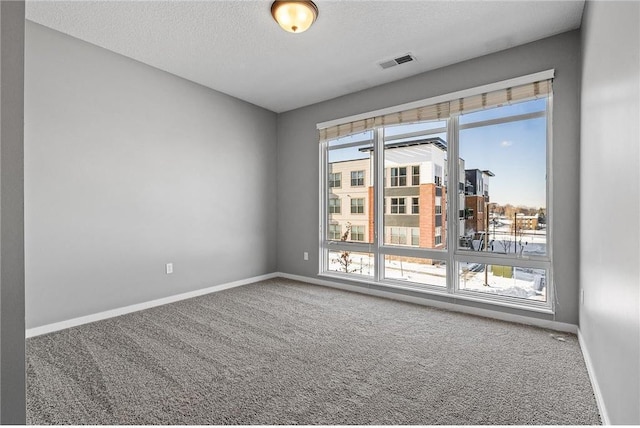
<point x="347" y="129"/>
<point x="501" y="97"/>
<point x="442" y="110"/>
<point x="431" y="112"/>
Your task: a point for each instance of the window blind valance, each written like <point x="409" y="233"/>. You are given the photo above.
<point x="442" y="110"/>
<point x="501" y="97"/>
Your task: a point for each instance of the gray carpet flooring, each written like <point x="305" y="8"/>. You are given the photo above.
<point x="285" y="352"/>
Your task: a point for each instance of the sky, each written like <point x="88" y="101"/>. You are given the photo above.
<point x="515" y="152"/>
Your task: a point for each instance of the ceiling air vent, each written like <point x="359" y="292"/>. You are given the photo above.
<point x="397" y="61"/>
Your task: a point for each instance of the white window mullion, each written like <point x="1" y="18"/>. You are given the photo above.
<point x="551" y="289"/>
<point x="323" y="253"/>
<point x="379" y="202"/>
<point x="452" y="201"/>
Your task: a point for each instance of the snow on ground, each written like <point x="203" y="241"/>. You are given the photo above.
<point x="502" y="240"/>
<point x="525" y="283"/>
<point x="416" y="272"/>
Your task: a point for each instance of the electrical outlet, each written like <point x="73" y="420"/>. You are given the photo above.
<point x="169" y="268"/>
<point x="305" y="255"/>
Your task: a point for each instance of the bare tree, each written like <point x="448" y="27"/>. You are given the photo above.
<point x="520" y="231"/>
<point x="506" y="245"/>
<point x="344" y="259"/>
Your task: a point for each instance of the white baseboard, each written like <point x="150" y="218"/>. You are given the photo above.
<point x="49" y="328"/>
<point x="604" y="416"/>
<point x="548" y="324"/>
<point x="552" y="325"/>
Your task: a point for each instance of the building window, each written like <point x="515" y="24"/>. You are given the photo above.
<point x="438" y="235"/>
<point x="437" y="179"/>
<point x="357" y="206"/>
<point x="397" y="235"/>
<point x="334" y="206"/>
<point x="335" y="232"/>
<point x="438" y="209"/>
<point x="468" y="213"/>
<point x="415" y="205"/>
<point x="398" y="206"/>
<point x="357" y="178"/>
<point x="415" y="236"/>
<point x="335" y="179"/>
<point x="399" y="176"/>
<point x="415" y="175"/>
<point x="357" y="233"/>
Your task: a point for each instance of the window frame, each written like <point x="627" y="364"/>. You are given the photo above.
<point x="452" y="256"/>
<point x="460" y="255"/>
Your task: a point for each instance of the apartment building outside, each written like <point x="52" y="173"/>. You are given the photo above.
<point x="415" y="195"/>
<point x="476" y="200"/>
<point x="351" y="200"/>
<point x="524" y="222"/>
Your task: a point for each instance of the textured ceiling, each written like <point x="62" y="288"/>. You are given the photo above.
<point x="235" y="46"/>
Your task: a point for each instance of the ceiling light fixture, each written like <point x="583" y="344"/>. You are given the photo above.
<point x="294" y="16"/>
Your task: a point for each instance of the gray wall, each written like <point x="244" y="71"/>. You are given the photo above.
<point x="12" y="363"/>
<point x="610" y="204"/>
<point x="128" y="168"/>
<point x="298" y="165"/>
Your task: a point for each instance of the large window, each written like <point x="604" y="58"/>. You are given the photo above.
<point x="446" y="198"/>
